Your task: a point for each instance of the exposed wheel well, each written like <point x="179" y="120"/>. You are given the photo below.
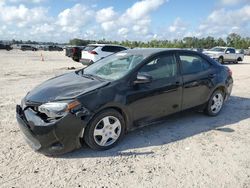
<point x="223" y="89"/>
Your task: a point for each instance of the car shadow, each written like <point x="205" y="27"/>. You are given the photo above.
<point x="240" y="63"/>
<point x="175" y="128"/>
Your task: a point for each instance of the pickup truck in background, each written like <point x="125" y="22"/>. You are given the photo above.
<point x="225" y="54"/>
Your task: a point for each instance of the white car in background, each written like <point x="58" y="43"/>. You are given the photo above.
<point x="95" y="52"/>
<point x="224" y="54"/>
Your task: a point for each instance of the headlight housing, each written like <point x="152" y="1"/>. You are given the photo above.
<point x="57" y="109"/>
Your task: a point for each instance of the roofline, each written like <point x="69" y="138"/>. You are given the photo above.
<point x="104" y="45"/>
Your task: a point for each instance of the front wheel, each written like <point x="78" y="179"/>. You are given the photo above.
<point x="105" y="130"/>
<point x="221" y="60"/>
<point x="215" y="103"/>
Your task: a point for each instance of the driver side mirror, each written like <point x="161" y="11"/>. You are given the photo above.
<point x="142" y="79"/>
<point x="228" y="52"/>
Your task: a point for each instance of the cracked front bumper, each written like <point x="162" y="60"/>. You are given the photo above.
<point x="50" y="138"/>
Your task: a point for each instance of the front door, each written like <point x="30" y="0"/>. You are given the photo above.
<point x="160" y="97"/>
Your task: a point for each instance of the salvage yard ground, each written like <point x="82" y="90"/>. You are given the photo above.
<point x="188" y="150"/>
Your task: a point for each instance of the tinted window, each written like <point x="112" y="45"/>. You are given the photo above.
<point x="162" y="67"/>
<point x="193" y="63"/>
<point x="231" y="51"/>
<point x="112" y="49"/>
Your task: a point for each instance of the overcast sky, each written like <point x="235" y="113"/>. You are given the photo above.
<point x="61" y="20"/>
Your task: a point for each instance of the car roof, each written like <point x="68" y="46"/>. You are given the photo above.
<point x="223" y="47"/>
<point x="101" y="45"/>
<point x="151" y="51"/>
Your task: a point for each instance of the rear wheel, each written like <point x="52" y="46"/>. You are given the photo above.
<point x="105" y="130"/>
<point x="221" y="60"/>
<point x="215" y="103"/>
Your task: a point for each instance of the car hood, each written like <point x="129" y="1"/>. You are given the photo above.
<point x="212" y="52"/>
<point x="63" y="87"/>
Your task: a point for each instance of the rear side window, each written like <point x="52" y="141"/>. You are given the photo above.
<point x="90" y="48"/>
<point x="193" y="64"/>
<point x="112" y="49"/>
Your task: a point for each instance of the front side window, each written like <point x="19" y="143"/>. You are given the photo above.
<point x="231" y="51"/>
<point x="160" y="68"/>
<point x="115" y="66"/>
<point x="193" y="64"/>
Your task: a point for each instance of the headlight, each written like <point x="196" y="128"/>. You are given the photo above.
<point x="57" y="109"/>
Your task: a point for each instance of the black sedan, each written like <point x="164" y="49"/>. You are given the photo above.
<point x="124" y="91"/>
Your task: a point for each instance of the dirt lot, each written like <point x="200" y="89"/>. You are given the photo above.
<point x="190" y="150"/>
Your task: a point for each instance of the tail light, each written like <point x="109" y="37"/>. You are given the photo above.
<point x="93" y="52"/>
<point x="74" y="50"/>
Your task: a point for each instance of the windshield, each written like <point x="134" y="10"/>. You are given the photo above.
<point x="217" y="49"/>
<point x="115" y="66"/>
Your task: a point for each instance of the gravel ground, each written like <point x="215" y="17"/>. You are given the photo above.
<point x="188" y="150"/>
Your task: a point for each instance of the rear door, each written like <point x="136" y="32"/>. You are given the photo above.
<point x="197" y="74"/>
<point x="86" y="53"/>
<point x="106" y="51"/>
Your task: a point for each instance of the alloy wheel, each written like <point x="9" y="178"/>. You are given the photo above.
<point x="217" y="103"/>
<point x="107" y="131"/>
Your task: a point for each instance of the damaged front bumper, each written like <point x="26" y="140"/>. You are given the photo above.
<point x="53" y="137"/>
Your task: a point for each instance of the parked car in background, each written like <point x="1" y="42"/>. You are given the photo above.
<point x="195" y="49"/>
<point x="77" y="53"/>
<point x="119" y="93"/>
<point x="54" y="48"/>
<point x="247" y="51"/>
<point x="28" y="48"/>
<point x="74" y="52"/>
<point x="68" y="51"/>
<point x="5" y="47"/>
<point x="224" y="54"/>
<point x="239" y="51"/>
<point x="95" y="52"/>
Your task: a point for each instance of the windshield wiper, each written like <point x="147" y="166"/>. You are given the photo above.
<point x="88" y="76"/>
<point x="95" y="76"/>
<point x="91" y="76"/>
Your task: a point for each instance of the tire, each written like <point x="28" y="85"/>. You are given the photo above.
<point x="221" y="60"/>
<point x="215" y="103"/>
<point x="239" y="59"/>
<point x="105" y="130"/>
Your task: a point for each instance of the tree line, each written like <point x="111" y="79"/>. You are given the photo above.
<point x="232" y="40"/>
